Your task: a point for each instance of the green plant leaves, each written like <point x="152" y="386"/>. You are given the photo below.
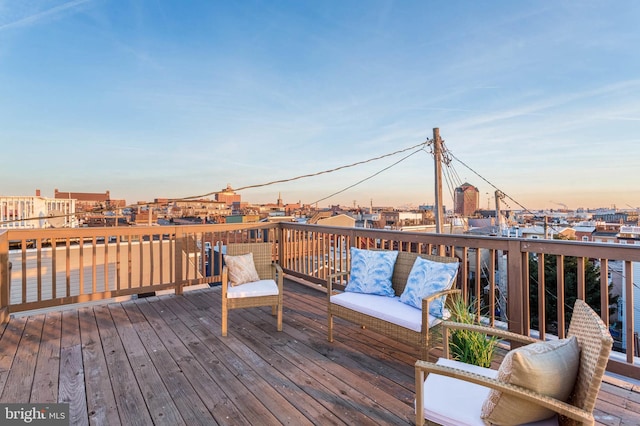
<point x="467" y="346"/>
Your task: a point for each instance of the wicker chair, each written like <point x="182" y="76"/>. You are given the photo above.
<point x="594" y="342"/>
<point x="267" y="270"/>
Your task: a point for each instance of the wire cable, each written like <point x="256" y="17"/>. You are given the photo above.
<point x="260" y="185"/>
<point x="369" y="177"/>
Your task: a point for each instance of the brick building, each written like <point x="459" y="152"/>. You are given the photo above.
<point x="90" y="201"/>
<point x="466" y="200"/>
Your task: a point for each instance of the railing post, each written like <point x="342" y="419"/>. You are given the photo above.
<point x="5" y="274"/>
<point x="179" y="259"/>
<point x="515" y="287"/>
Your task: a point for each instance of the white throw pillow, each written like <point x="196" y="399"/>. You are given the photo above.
<point x="241" y="269"/>
<point x="549" y="368"/>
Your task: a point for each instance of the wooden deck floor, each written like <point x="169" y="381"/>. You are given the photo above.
<point x="161" y="360"/>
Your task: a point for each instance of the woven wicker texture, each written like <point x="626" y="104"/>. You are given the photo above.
<point x="595" y="344"/>
<point x="426" y="339"/>
<point x="267" y="269"/>
<point x="262" y="256"/>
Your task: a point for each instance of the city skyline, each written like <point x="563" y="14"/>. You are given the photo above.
<point x="149" y="100"/>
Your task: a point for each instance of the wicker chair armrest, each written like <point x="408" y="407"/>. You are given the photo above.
<point x="441" y="293"/>
<point x="338" y="274"/>
<point x="437" y="294"/>
<point x="225" y="281"/>
<point x="276" y="269"/>
<point x="332" y="277"/>
<point x="556" y="405"/>
<point x="491" y="331"/>
<point x="427" y="299"/>
<point x="278" y="275"/>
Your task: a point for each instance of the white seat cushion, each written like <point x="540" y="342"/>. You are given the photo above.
<point x="389" y="309"/>
<point x="253" y="289"/>
<point x="450" y="401"/>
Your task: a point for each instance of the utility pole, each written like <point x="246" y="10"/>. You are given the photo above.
<point x="437" y="156"/>
<point x="499" y="196"/>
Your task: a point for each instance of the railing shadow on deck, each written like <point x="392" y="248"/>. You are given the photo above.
<point x="506" y="278"/>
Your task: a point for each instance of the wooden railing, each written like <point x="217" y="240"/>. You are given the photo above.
<point x="45" y="268"/>
<point x="494" y="274"/>
<point x="4" y="276"/>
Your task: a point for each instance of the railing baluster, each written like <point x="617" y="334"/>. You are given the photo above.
<point x="561" y="297"/>
<point x="604" y="291"/>
<point x="629" y="312"/>
<point x="24" y="271"/>
<point x="94" y="274"/>
<point x="68" y="266"/>
<point x="39" y="266"/>
<point x="542" y="285"/>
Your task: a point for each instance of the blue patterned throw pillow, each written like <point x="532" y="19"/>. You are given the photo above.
<point x="371" y="271"/>
<point x="427" y="277"/>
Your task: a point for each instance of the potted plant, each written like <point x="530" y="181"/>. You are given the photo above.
<point x="468" y="346"/>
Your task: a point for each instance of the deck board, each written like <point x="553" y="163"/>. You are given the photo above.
<point x="221" y="408"/>
<point x="100" y="399"/>
<point x="11" y="338"/>
<point x="158" y="400"/>
<point x="190" y="406"/>
<point x="162" y="360"/>
<point x="46" y="376"/>
<point x="120" y="367"/>
<point x="20" y="379"/>
<point x="243" y="366"/>
<point x="215" y="374"/>
<point x="73" y="381"/>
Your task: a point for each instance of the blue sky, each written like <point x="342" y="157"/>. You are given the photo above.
<point x="153" y="99"/>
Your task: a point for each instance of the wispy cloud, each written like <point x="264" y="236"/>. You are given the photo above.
<point x="34" y="17"/>
<point x="543" y="106"/>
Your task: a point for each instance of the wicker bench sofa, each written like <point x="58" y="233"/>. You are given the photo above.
<point x="387" y="315"/>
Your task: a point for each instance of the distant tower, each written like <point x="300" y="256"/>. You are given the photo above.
<point x="280" y="204"/>
<point x="466" y="200"/>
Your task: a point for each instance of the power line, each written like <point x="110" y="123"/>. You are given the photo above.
<point x="259" y="185"/>
<point x="487" y="181"/>
<point x="371" y="176"/>
<point x="551" y="225"/>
